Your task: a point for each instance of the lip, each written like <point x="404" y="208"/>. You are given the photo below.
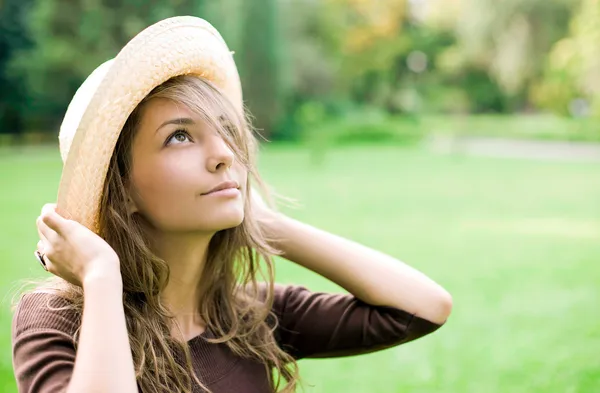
<point x="226" y="193"/>
<point x="225" y="188"/>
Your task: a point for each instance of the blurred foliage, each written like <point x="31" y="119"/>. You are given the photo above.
<point x="307" y="63"/>
<point x="570" y="84"/>
<point x="260" y="66"/>
<point x="506" y="40"/>
<point x="71" y="39"/>
<point x="13" y="37"/>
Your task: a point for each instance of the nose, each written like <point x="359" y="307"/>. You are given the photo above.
<point x="220" y="155"/>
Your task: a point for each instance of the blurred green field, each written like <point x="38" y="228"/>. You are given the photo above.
<point x="516" y="242"/>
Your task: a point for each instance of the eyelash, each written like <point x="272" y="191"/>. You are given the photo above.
<point x="177" y="132"/>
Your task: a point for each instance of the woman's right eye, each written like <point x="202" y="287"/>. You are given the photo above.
<point x="178" y="137"/>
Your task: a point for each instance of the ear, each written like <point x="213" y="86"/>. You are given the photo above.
<point x="131" y="206"/>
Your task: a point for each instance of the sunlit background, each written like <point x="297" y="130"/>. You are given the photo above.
<point x="461" y="136"/>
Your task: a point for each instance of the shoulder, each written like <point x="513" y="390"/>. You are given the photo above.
<point x="43" y="344"/>
<point x="44" y="310"/>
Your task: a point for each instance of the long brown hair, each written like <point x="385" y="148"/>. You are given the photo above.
<point x="234" y="305"/>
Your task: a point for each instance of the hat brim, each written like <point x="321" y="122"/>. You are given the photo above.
<point x="172" y="47"/>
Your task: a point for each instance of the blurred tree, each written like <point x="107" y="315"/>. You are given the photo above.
<point x="570" y="84"/>
<point x="507" y="39"/>
<point x="73" y="38"/>
<point x="309" y="59"/>
<point x="260" y="64"/>
<point x="13" y="38"/>
<point x="367" y="36"/>
<point x="343" y="51"/>
<point x="226" y="16"/>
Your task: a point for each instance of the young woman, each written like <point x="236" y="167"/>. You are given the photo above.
<point x="158" y="241"/>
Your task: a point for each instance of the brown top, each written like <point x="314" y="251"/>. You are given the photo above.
<point x="311" y="325"/>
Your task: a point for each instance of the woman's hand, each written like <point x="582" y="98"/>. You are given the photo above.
<point x="72" y="251"/>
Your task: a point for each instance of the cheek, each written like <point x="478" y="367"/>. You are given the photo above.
<point x="165" y="189"/>
<point x="241" y="175"/>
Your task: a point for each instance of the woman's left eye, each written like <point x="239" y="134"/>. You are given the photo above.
<point x="178" y="137"/>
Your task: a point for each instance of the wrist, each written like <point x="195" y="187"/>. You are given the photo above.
<point x="105" y="275"/>
<point x="276" y="230"/>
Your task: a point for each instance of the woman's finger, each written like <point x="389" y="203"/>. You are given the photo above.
<point x="47" y="235"/>
<point x="49" y="207"/>
<point x="43" y="239"/>
<point x="43" y="245"/>
<point x="54" y="221"/>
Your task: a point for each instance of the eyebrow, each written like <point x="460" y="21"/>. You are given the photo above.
<point x="182" y="120"/>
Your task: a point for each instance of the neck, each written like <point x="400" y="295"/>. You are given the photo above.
<point x="186" y="256"/>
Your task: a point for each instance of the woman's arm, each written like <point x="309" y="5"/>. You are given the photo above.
<point x="45" y="358"/>
<point x="373" y="277"/>
<point x="103" y="363"/>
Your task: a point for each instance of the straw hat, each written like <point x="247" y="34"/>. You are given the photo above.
<point x="100" y="107"/>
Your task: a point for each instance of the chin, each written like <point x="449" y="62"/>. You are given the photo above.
<point x="229" y="221"/>
<point x="231" y="224"/>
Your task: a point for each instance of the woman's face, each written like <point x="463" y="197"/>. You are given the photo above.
<point x="177" y="159"/>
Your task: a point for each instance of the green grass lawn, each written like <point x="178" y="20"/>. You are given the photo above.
<point x="517" y="243"/>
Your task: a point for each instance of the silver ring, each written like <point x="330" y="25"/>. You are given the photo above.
<point x="40" y="258"/>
